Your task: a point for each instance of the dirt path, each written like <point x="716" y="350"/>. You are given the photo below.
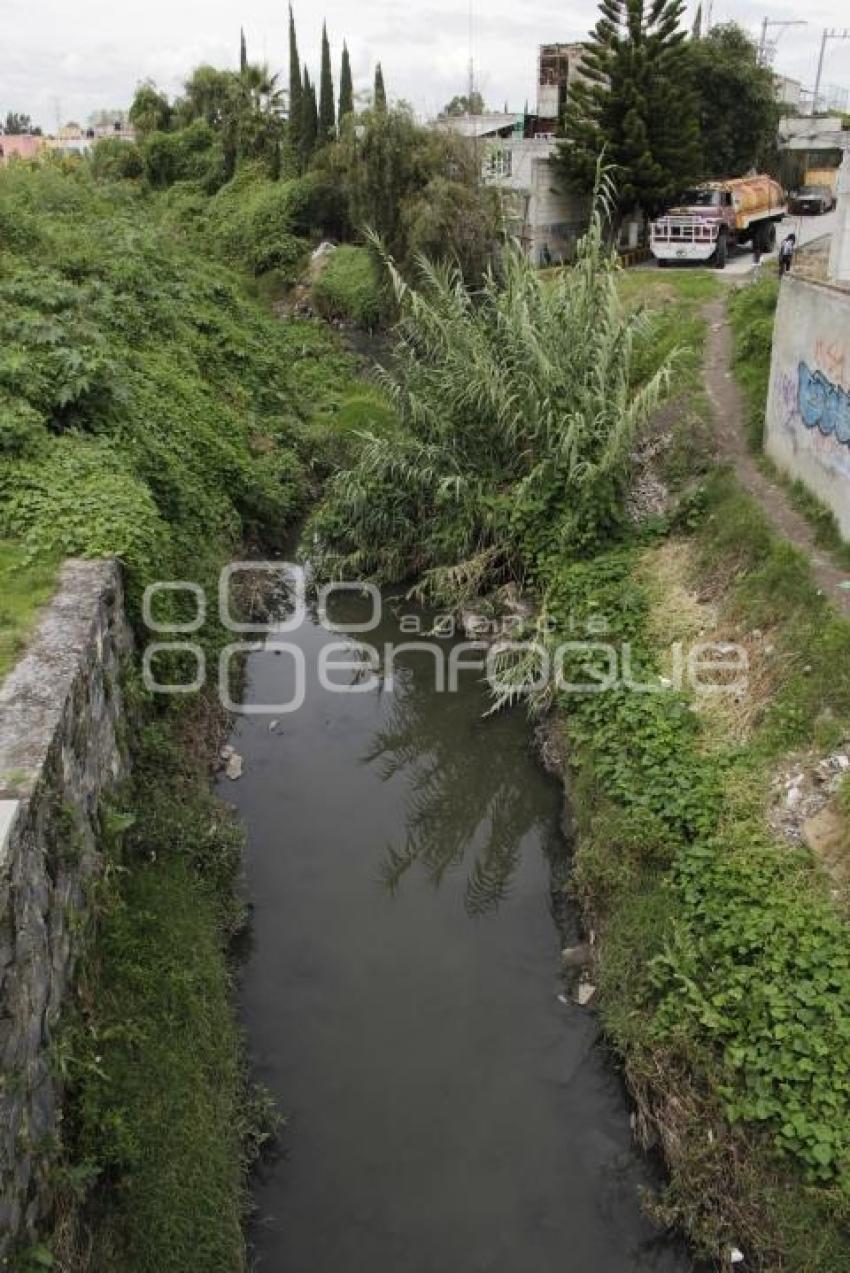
<point x="730" y="416"/>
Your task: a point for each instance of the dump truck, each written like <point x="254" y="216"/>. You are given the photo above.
<point x="711" y="219"/>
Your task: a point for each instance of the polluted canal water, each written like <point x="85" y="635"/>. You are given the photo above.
<point x="446" y="1111"/>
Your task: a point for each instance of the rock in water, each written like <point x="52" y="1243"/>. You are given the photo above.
<point x="235" y="766"/>
<point x="576" y="956"/>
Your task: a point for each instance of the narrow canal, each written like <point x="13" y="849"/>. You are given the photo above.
<point x="446" y="1111"/>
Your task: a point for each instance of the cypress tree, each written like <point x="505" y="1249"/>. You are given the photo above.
<point x="346" y="88"/>
<point x="296" y="105"/>
<point x="243" y="51"/>
<point x="309" y="119"/>
<point x="636" y="104"/>
<point x="327" y="112"/>
<point x="380" y="98"/>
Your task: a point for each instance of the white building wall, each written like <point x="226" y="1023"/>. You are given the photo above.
<point x="548" y="218"/>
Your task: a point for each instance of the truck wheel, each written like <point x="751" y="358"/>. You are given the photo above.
<point x="722" y="253"/>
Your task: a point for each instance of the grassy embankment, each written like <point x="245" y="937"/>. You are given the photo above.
<point x="148" y="409"/>
<point x="724" y="966"/>
<point x="24" y="587"/>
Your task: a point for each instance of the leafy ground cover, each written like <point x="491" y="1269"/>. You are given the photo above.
<point x="724" y="963"/>
<point x="350" y="287"/>
<point x="24" y="587"/>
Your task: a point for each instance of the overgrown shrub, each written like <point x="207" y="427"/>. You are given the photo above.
<point x="147" y="407"/>
<point x="350" y="287"/>
<point x="752" y="311"/>
<point x="117" y="160"/>
<point x="518" y="409"/>
<point x="259" y="224"/>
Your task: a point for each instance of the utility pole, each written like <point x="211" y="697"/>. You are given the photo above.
<point x="830" y="33"/>
<point x="767" y="49"/>
<point x="470" y="88"/>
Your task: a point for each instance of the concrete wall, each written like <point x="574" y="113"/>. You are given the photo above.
<point x="61" y="730"/>
<point x="807" y="431"/>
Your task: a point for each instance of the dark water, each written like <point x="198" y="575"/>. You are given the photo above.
<point x="446" y="1112"/>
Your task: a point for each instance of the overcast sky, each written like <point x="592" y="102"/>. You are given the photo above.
<point x="69" y="59"/>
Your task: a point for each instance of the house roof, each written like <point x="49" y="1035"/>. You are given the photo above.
<point x="478" y="125"/>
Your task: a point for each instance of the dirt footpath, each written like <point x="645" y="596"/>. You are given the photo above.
<point x="730" y="416"/>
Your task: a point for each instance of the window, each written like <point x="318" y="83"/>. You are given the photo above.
<point x="497" y="163"/>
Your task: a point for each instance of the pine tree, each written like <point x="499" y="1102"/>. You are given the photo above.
<point x="327" y="112"/>
<point x="296" y="106"/>
<point x="243" y="52"/>
<point x="696" y="33"/>
<point x="346" y="88"/>
<point x="309" y="119"/>
<point x="380" y="98"/>
<point x="635" y="105"/>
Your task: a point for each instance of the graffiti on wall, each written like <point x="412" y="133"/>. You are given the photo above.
<point x="823" y="404"/>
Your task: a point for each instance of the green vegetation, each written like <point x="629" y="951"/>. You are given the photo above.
<point x="751" y="312"/>
<point x="738" y="111"/>
<point x="723" y="964"/>
<point x="636" y="105"/>
<point x="147" y="408"/>
<point x="150" y="409"/>
<point x="518" y="409"/>
<point x="373" y="170"/>
<point x="24" y="587"/>
<point x="350" y="287"/>
<point x="667" y="110"/>
<point x="159" y="1114"/>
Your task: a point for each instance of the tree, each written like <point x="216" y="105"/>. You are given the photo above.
<point x="243" y="51"/>
<point x="463" y="105"/>
<point x="696" y="33"/>
<point x="346" y="87"/>
<point x="151" y="110"/>
<point x="327" y="111"/>
<point x="738" y="111"/>
<point x="456" y="222"/>
<point x="635" y="105"/>
<point x="380" y="98"/>
<point x="296" y="105"/>
<point x="17" y="124"/>
<point x="309" y="119"/>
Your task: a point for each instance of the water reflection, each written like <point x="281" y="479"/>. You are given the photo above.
<point x="458" y="812"/>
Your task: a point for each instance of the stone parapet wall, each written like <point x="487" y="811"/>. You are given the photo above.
<point x="62" y="747"/>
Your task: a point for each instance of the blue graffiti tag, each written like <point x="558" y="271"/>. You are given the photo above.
<point x="823" y="405"/>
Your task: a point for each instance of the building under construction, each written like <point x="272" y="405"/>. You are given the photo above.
<point x="559" y="66"/>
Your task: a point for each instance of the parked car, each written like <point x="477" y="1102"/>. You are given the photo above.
<point x="812" y="201"/>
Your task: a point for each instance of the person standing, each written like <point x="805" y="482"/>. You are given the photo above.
<point x="786" y="254"/>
